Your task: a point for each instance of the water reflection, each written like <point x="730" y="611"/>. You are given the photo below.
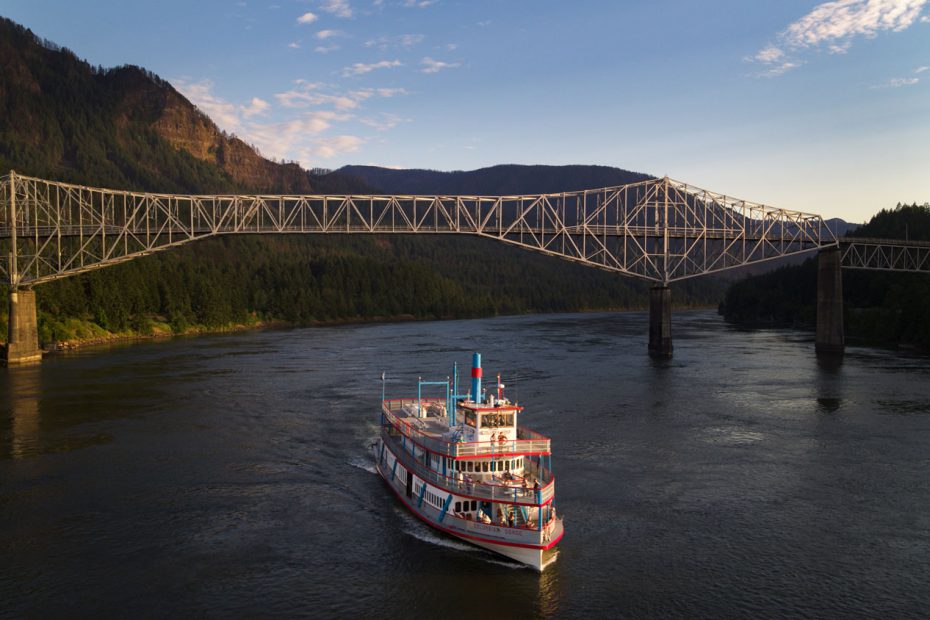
<point x="550" y="592"/>
<point x="830" y="362"/>
<point x="828" y="405"/>
<point x="22" y="403"/>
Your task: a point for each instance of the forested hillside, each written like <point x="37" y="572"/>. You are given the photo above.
<point x="125" y="128"/>
<point x="880" y="307"/>
<point x="507" y="179"/>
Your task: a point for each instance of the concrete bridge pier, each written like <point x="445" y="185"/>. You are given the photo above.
<point x="660" y="322"/>
<point x="23" y="341"/>
<point x="830" y="338"/>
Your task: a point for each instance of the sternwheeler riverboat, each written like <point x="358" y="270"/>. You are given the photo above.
<point x="464" y="466"/>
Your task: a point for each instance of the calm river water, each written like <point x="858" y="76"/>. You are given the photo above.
<point x="229" y="476"/>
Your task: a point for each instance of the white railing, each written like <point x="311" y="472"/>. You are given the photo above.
<point x="528" y="442"/>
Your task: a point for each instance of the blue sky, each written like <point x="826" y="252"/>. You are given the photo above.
<point x="814" y="106"/>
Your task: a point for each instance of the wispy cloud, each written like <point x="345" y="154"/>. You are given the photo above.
<point x="312" y="122"/>
<point x="329" y="147"/>
<point x="833" y="26"/>
<point x="256" y="106"/>
<point x="418" y="4"/>
<point x="329" y="34"/>
<point x="307" y="18"/>
<point x="919" y="70"/>
<point x="405" y="41"/>
<point x="339" y="8"/>
<point x="302" y="135"/>
<point x="897" y="83"/>
<point x="383" y="122"/>
<point x="325" y="49"/>
<point x="435" y="66"/>
<point x="224" y="113"/>
<point x="294" y="45"/>
<point x="361" y="68"/>
<point x="307" y="94"/>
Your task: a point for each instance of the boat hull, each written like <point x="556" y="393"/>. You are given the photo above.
<point x="508" y="542"/>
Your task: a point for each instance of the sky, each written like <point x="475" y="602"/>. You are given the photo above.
<point x="822" y="107"/>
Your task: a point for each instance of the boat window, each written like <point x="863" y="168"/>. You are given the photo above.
<point x="484" y="466"/>
<point x="474" y="505"/>
<point x="493" y="466"/>
<point x="458" y="506"/>
<point x="469" y="466"/>
<point x="470" y="418"/>
<point x="507" y="465"/>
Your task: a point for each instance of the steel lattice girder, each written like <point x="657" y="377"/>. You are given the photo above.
<point x="658" y="230"/>
<point x="885" y="255"/>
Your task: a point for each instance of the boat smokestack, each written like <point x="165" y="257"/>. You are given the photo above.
<point x="476" y="378"/>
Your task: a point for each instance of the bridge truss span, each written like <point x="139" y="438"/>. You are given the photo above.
<point x="885" y="254"/>
<point x="659" y="230"/>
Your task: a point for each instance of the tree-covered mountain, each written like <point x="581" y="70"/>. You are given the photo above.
<point x="508" y="179"/>
<point x="123" y="128"/>
<point x="881" y="307"/>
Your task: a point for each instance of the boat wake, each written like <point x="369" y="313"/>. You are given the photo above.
<point x="363" y="463"/>
<point x="366" y="460"/>
<point x="412" y="527"/>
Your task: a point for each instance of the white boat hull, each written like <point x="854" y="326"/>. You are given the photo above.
<point x="530" y="547"/>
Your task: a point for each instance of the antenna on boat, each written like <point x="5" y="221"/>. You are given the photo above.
<point x="382" y="387"/>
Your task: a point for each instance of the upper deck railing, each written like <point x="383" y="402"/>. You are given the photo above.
<point x="479" y="489"/>
<point x="528" y="442"/>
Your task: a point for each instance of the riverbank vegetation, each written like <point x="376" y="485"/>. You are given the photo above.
<point x="228" y="281"/>
<point x="879" y="307"/>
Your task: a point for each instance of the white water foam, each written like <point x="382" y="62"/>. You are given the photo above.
<point x="366" y="462"/>
<point x="363" y="463"/>
<point x="421" y="532"/>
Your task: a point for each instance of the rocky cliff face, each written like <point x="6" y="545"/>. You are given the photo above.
<point x="188" y="129"/>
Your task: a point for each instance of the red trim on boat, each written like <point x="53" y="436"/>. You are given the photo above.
<point x="491" y="541"/>
<point x="458" y="493"/>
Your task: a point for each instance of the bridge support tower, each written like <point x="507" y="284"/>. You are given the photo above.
<point x="660" y="322"/>
<point x="830" y="338"/>
<point x="23" y="338"/>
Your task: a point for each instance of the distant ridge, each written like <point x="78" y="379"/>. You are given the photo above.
<point x="495" y="180"/>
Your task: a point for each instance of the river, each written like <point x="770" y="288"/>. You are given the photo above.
<point x="229" y="476"/>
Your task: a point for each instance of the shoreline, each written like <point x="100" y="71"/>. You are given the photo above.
<point x="66" y="346"/>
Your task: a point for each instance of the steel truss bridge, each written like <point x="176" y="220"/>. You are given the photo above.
<point x="658" y="230"/>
